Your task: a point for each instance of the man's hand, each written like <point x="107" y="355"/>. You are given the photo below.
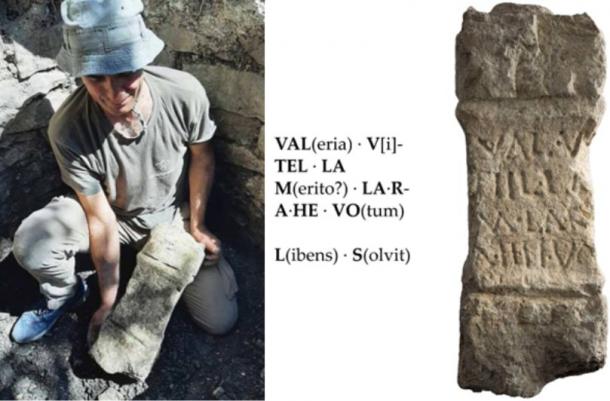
<point x="209" y="241"/>
<point x="96" y="323"/>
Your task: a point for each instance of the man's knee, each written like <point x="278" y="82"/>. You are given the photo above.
<point x="46" y="237"/>
<point x="31" y="243"/>
<point x="217" y="321"/>
<point x="211" y="298"/>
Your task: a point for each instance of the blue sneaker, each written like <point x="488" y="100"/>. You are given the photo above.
<point x="34" y="324"/>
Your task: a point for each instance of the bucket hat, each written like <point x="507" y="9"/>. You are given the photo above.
<point x="105" y="37"/>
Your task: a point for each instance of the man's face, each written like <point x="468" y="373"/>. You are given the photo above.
<point x="115" y="94"/>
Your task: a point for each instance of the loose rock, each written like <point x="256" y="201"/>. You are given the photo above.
<point x="219" y="393"/>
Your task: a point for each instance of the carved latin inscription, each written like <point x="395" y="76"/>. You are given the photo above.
<point x="528" y="130"/>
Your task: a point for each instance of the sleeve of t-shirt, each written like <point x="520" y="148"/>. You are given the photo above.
<point x="74" y="171"/>
<point x="201" y="127"/>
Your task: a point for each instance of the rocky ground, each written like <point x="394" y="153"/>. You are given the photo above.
<point x="191" y="365"/>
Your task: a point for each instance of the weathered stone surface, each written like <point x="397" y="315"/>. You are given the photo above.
<point x="532" y="308"/>
<point x="240" y="156"/>
<point x="254" y="44"/>
<point x="260" y="144"/>
<point x="32" y="53"/>
<point x="255" y="186"/>
<point x="243" y="193"/>
<point x="6" y="375"/>
<point x="526" y="52"/>
<point x="520" y="343"/>
<point x="110" y="394"/>
<point x="236" y="128"/>
<point x="26" y="388"/>
<point x="231" y="31"/>
<point x="27" y="105"/>
<point x="178" y="39"/>
<point x="36" y="111"/>
<point x="240" y="92"/>
<point x="30" y="84"/>
<point x="131" y="337"/>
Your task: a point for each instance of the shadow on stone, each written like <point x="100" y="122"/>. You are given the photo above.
<point x="84" y="367"/>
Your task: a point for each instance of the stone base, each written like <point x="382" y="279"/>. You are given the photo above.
<point x="515" y="344"/>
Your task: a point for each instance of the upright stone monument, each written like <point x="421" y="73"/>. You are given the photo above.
<point x="529" y="85"/>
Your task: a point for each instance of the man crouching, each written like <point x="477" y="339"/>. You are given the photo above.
<point x="121" y="141"/>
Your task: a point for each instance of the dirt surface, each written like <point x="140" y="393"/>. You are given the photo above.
<point x="191" y="364"/>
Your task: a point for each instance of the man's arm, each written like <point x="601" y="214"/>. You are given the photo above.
<point x="201" y="176"/>
<point x="105" y="252"/>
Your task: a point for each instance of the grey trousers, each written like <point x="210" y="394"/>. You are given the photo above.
<point x="47" y="241"/>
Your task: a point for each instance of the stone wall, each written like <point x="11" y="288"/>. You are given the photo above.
<point x="31" y="88"/>
<point x="220" y="42"/>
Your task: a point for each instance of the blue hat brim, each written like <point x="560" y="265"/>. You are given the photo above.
<point x="129" y="57"/>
